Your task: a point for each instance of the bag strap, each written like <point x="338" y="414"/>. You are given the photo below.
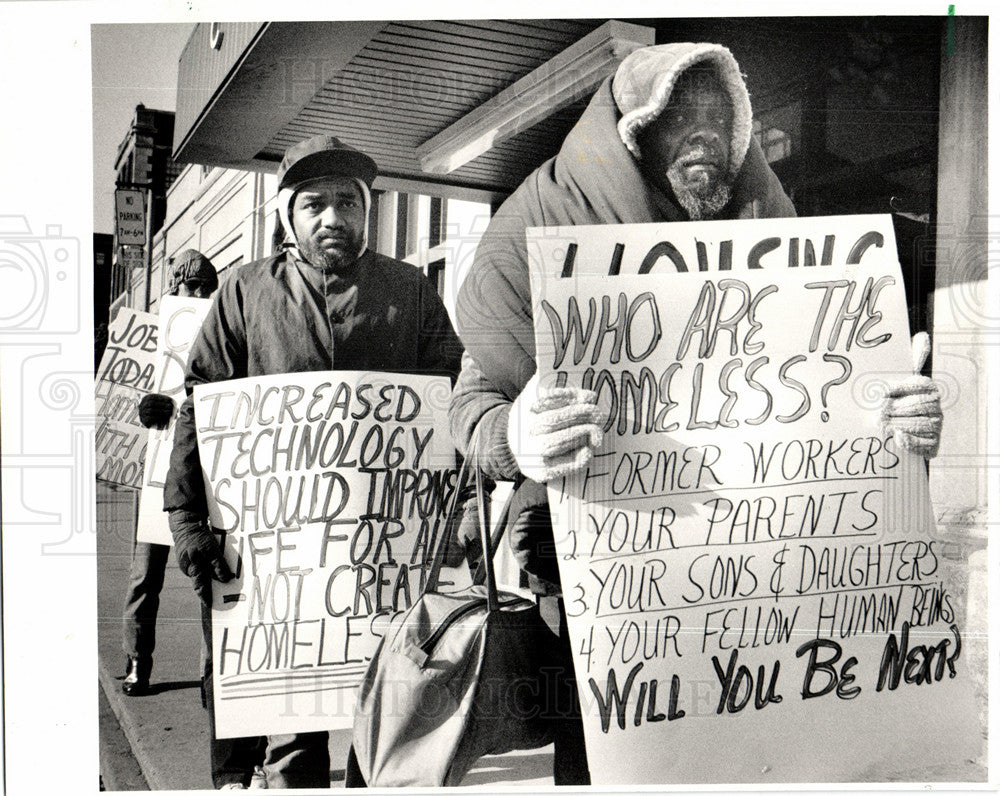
<point x="479" y="576"/>
<point x="451" y="520"/>
<point x="490" y="542"/>
<point x="492" y="601"/>
<point x="453" y="516"/>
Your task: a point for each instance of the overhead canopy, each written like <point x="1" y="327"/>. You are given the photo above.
<point x="467" y="109"/>
<point x="487" y="95"/>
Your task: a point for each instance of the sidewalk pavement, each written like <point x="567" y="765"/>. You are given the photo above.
<point x="167" y="730"/>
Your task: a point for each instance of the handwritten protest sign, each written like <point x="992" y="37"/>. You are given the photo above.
<point x="753" y="588"/>
<point x="125" y="375"/>
<point x="180" y="320"/>
<point x="330" y="489"/>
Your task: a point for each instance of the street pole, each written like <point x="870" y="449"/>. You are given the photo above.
<point x="149" y="245"/>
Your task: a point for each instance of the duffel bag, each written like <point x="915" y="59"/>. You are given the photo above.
<point x="456" y="677"/>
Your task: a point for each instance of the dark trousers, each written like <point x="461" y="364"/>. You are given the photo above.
<point x="562" y="701"/>
<point x="142" y="600"/>
<point x="231" y="759"/>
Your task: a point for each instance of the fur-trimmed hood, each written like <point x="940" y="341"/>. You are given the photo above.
<point x="593" y="180"/>
<point x="645" y="79"/>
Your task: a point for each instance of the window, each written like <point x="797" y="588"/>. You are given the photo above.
<point x="777" y="144"/>
<point x="402" y="202"/>
<point x="777" y="131"/>
<point x="438" y="221"/>
<point x="435" y="272"/>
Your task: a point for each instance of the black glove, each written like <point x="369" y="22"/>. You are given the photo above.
<point x="155" y="410"/>
<point x="465" y="545"/>
<point x="198" y="553"/>
<point x="529" y="534"/>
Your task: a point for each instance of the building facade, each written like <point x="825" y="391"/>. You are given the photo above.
<point x="143" y="162"/>
<point x="230" y="216"/>
<point x="857" y="115"/>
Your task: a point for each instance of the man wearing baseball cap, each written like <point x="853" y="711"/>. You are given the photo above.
<point x="326" y="302"/>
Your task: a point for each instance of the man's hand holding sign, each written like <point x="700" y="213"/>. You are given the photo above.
<point x="553" y="431"/>
<point x="912" y="410"/>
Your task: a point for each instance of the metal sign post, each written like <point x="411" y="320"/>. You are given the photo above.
<point x="149" y="246"/>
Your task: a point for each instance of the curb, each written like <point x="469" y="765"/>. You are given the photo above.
<point x="119" y="770"/>
<point x="110" y="686"/>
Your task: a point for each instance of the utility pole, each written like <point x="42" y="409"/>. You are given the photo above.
<point x="149" y="244"/>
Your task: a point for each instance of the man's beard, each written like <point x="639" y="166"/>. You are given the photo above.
<point x="702" y="197"/>
<point x="337" y="259"/>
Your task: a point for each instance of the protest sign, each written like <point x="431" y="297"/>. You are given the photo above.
<point x="329" y="489"/>
<point x="749" y="567"/>
<point x="180" y="320"/>
<point x="125" y="375"/>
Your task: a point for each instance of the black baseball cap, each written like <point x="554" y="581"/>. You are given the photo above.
<point x="324" y="156"/>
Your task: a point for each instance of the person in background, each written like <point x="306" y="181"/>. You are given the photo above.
<point x="235" y="762"/>
<point x="326" y="302"/>
<point x="668" y="138"/>
<point x="192" y="275"/>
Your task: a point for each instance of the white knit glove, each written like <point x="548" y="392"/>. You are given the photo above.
<point x="912" y="408"/>
<point x="553" y="432"/>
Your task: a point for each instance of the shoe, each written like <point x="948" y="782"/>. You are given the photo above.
<point x="233" y="786"/>
<point x="136" y="682"/>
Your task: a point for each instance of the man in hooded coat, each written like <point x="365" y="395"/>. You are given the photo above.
<point x="326" y="302"/>
<point x="668" y="138"/>
<point x="598" y="177"/>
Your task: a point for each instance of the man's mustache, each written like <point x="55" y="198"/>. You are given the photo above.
<point x="700" y="153"/>
<point x="336" y="237"/>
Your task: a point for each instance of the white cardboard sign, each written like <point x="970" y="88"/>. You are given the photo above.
<point x="749" y="567"/>
<point x="329" y="489"/>
<point x="180" y="320"/>
<point x="125" y="375"/>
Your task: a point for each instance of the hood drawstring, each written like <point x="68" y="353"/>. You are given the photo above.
<point x="326" y="314"/>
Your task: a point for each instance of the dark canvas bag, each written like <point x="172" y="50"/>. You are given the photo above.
<point x="455" y="677"/>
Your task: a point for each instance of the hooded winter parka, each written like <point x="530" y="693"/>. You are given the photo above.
<point x="594" y="179"/>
